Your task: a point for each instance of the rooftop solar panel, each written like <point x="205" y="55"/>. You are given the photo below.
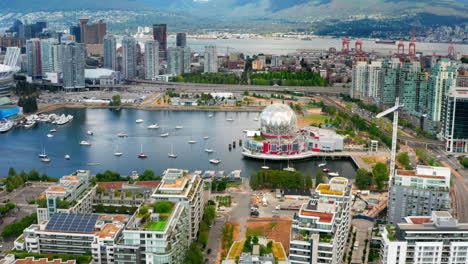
<point x="77" y="223"/>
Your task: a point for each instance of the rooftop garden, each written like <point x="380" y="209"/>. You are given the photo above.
<point x="325" y="238"/>
<point x="325" y="189"/>
<point x="163" y="208"/>
<point x="156" y="225"/>
<point x="391" y="232"/>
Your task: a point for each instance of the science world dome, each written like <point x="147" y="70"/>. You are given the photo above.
<point x="278" y="120"/>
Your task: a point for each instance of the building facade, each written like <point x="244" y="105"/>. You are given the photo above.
<point x="151" y="59"/>
<point x="47" y="55"/>
<point x="455" y="120"/>
<point x="320" y="228"/>
<point x="110" y="52"/>
<point x="92" y="34"/>
<point x="443" y="77"/>
<point x="211" y="59"/>
<point x="418" y="192"/>
<point x="129" y="57"/>
<point x="160" y="35"/>
<point x="33" y="53"/>
<point x="73" y="65"/>
<point x="181" y="40"/>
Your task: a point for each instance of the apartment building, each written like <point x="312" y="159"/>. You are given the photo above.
<point x="437" y="238"/>
<point x="320" y="228"/>
<point x="419" y="192"/>
<point x="77" y="234"/>
<point x="455" y="120"/>
<point x="188" y="189"/>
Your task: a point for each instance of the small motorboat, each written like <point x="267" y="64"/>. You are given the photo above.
<point x="179" y="127"/>
<point x="67" y="157"/>
<point x="333" y="174"/>
<point x="172" y="155"/>
<point x="29" y="124"/>
<point x="215" y="161"/>
<point x="326" y="170"/>
<point x="210" y="115"/>
<point x="122" y="135"/>
<point x="138" y="121"/>
<point x="118" y="154"/>
<point x="265" y="168"/>
<point x="192" y="142"/>
<point x="89" y="132"/>
<point x="321" y="165"/>
<point x="50" y="135"/>
<point x="85" y="143"/>
<point x="164" y="135"/>
<point x="291" y="169"/>
<point x="205" y="138"/>
<point x="153" y="126"/>
<point x="209" y="150"/>
<point x="46" y="160"/>
<point x="229" y="119"/>
<point x="142" y="155"/>
<point x="53" y="130"/>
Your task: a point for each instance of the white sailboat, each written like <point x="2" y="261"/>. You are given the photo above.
<point x="43" y="154"/>
<point x="205" y="138"/>
<point x="117" y="153"/>
<point x="138" y="121"/>
<point x="85" y="143"/>
<point x="265" y="167"/>
<point x="172" y="154"/>
<point x="322" y="164"/>
<point x="164" y="134"/>
<point x="153" y="126"/>
<point x="67" y="157"/>
<point x="50" y="135"/>
<point x="192" y="141"/>
<point x="215" y="161"/>
<point x="209" y="150"/>
<point x="121" y="134"/>
<point x="89" y="132"/>
<point x="179" y="127"/>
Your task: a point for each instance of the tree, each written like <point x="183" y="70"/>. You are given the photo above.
<point x="15" y="229"/>
<point x="403" y="159"/>
<point x="116" y="100"/>
<point x="163" y="207"/>
<point x="363" y="179"/>
<point x="319" y="178"/>
<point x="380" y="172"/>
<point x="194" y="255"/>
<point x="148" y="175"/>
<point x="11" y="172"/>
<point x="100" y="208"/>
<point x="308" y="181"/>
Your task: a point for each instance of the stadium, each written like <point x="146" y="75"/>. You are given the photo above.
<point x="6" y="78"/>
<point x="279" y="138"/>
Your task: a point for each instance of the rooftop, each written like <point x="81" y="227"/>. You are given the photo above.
<point x="111" y="185"/>
<point x="323" y="217"/>
<point x="31" y="260"/>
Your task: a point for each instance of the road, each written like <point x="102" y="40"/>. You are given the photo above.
<point x="363" y="231"/>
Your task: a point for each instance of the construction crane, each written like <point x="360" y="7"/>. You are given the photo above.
<point x="393" y="110"/>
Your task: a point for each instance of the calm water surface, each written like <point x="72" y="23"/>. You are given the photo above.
<point x="19" y="148"/>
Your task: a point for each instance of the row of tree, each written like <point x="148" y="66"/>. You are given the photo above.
<point x="15" y="229"/>
<point x="280" y="179"/>
<point x="14" y="180"/>
<point x="29" y="104"/>
<point x="195" y="253"/>
<point x="111" y="176"/>
<point x="212" y="78"/>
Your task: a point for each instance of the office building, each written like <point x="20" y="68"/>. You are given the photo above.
<point x="437" y="238"/>
<point x="418" y="192"/>
<point x="151" y="59"/>
<point x="92" y="34"/>
<point x="75" y="31"/>
<point x="47" y="55"/>
<point x="77" y="234"/>
<point x="160" y="35"/>
<point x="151" y="237"/>
<point x="129" y="57"/>
<point x="455" y="120"/>
<point x="187" y="189"/>
<point x="211" y="59"/>
<point x="33" y="53"/>
<point x="443" y="77"/>
<point x="28" y="31"/>
<point x="320" y="228"/>
<point x="366" y="80"/>
<point x="73" y="65"/>
<point x="110" y="52"/>
<point x="181" y="40"/>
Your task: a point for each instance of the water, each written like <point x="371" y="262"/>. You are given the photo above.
<point x="20" y="147"/>
<point x="285" y="46"/>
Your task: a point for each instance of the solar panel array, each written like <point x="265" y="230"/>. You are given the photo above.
<point x="79" y="223"/>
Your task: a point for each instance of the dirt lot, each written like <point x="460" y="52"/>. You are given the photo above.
<point x="278" y="229"/>
<point x="373" y="160"/>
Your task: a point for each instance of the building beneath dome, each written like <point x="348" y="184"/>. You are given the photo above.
<point x="281" y="139"/>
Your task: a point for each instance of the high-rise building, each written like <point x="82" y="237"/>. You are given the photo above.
<point x="110" y="52"/>
<point x="92" y="34"/>
<point x="73" y="65"/>
<point x="444" y="76"/>
<point x="160" y="35"/>
<point x="320" y="228"/>
<point x="151" y="59"/>
<point x="418" y="192"/>
<point x="211" y="59"/>
<point x="28" y="31"/>
<point x="412" y="89"/>
<point x="47" y="57"/>
<point x="75" y="31"/>
<point x="455" y="120"/>
<point x="129" y="59"/>
<point x="366" y="80"/>
<point x="389" y="82"/>
<point x="187" y="60"/>
<point x="175" y="60"/>
<point x="33" y="53"/>
<point x="187" y="189"/>
<point x="181" y="40"/>
<point x="437" y="238"/>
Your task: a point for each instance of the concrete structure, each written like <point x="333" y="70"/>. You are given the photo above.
<point x="78" y="234"/>
<point x="455" y="120"/>
<point x="33" y="53"/>
<point x="438" y="238"/>
<point x="188" y="190"/>
<point x="73" y="65"/>
<point x="151" y="59"/>
<point x="160" y="35"/>
<point x="443" y="77"/>
<point x="10" y="259"/>
<point x="320" y="228"/>
<point x="181" y="40"/>
<point x="129" y="57"/>
<point x="211" y="59"/>
<point x="418" y="192"/>
<point x="110" y="52"/>
<point x="7" y="70"/>
<point x="92" y="34"/>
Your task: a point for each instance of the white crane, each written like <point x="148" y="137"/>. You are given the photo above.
<point x="393" y="110"/>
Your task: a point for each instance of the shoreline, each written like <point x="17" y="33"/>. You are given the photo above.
<point x="50" y="108"/>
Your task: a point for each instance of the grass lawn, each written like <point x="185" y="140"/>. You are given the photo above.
<point x="316" y="119"/>
<point x="158" y="226"/>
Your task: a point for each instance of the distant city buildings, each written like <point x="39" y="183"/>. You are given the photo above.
<point x="211" y="59"/>
<point x="160" y="35"/>
<point x="455" y="120"/>
<point x="129" y="57"/>
<point x="110" y="52"/>
<point x="92" y="34"/>
<point x="181" y="39"/>
<point x="418" y="192"/>
<point x="73" y="65"/>
<point x="151" y="59"/>
<point x="33" y="53"/>
<point x="179" y="60"/>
